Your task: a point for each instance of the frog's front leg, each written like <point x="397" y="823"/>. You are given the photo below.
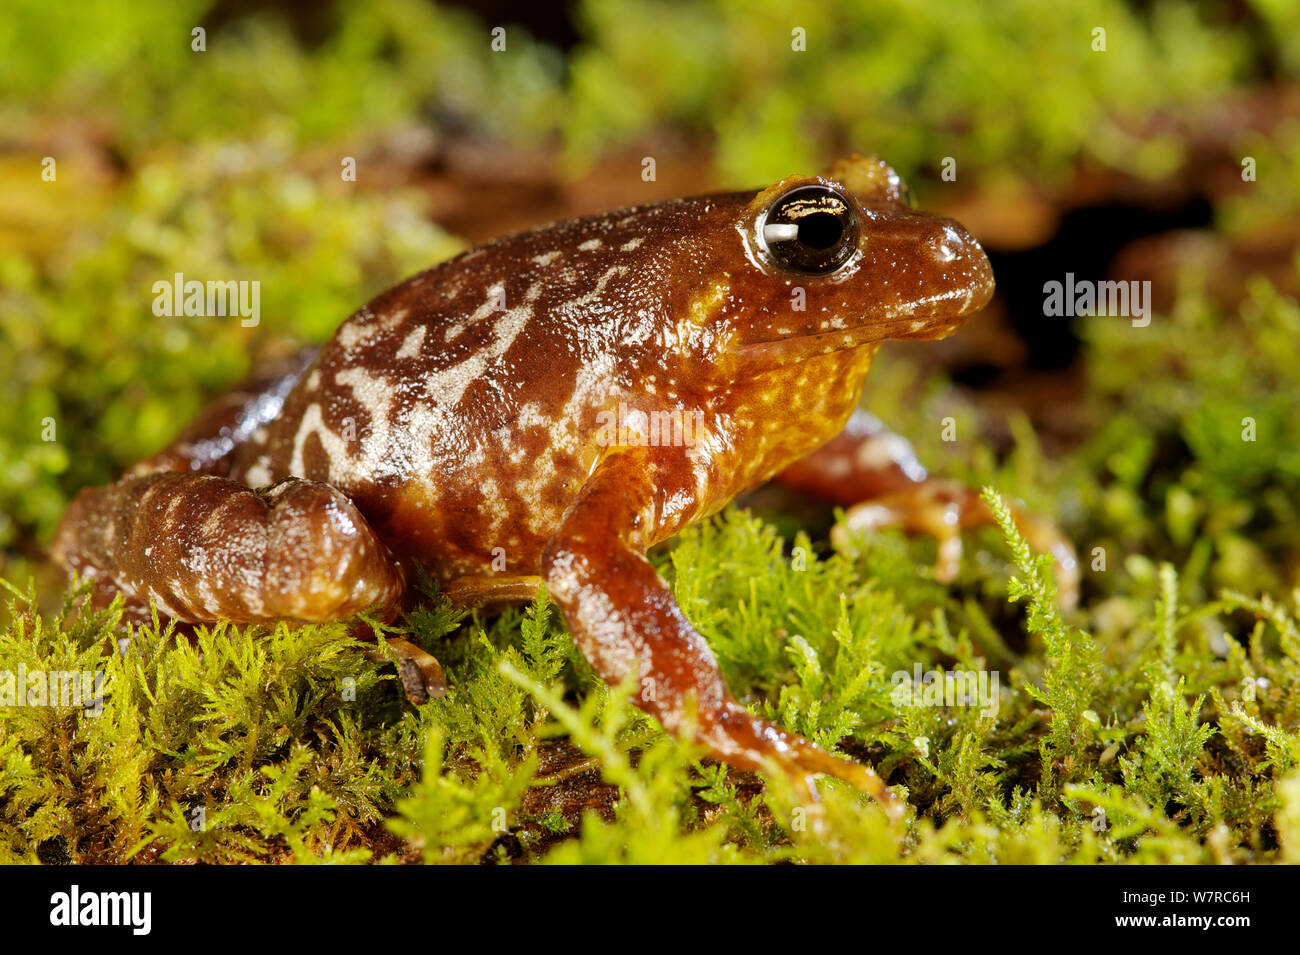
<point x="625" y="621"/>
<point x="876" y="475"/>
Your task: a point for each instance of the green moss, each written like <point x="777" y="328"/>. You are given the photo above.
<point x="136" y="70"/>
<point x="294" y="745"/>
<point x="1159" y="723"/>
<point x="915" y="81"/>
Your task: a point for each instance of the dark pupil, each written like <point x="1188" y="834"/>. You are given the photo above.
<point x="821" y="230"/>
<point x="826" y="234"/>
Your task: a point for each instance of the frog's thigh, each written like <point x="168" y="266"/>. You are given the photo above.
<point x="204" y="548"/>
<point x="625" y="621"/>
<point x="876" y="475"/>
<point x="486" y="591"/>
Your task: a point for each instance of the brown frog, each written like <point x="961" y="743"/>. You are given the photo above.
<point x="545" y="408"/>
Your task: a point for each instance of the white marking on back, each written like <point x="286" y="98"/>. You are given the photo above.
<point x="360" y="329"/>
<point x="413" y="342"/>
<point x="407" y="417"/>
<point x="336" y="449"/>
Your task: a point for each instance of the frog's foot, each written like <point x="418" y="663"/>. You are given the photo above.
<point x="876" y="475"/>
<point x="204" y="548"/>
<point x="740" y="739"/>
<point x="626" y="622"/>
<point x="420" y="672"/>
<point x="943" y="509"/>
<point x="484" y="591"/>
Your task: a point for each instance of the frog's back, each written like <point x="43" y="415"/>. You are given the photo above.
<point x="457" y="409"/>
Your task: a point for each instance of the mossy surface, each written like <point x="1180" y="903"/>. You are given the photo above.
<point x="1159" y="723"/>
<point x="1170" y="740"/>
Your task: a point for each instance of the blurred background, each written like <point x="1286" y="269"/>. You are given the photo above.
<point x="1124" y="162"/>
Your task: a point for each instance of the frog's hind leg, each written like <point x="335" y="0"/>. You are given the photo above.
<point x="876" y="475"/>
<point x="206" y="446"/>
<point x="204" y="548"/>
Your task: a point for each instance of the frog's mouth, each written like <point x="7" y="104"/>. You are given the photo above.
<point x="924" y="320"/>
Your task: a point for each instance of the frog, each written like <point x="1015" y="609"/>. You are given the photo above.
<point x="541" y="411"/>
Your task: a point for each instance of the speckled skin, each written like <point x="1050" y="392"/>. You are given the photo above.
<point x="455" y="421"/>
<point x="476" y="427"/>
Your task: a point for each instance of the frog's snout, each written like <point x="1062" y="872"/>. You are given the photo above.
<point x="951" y="279"/>
<point x="962" y="262"/>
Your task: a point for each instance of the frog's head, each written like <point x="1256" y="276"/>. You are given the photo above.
<point x="841" y="260"/>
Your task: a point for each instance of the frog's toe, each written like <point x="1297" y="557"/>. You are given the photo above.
<point x="741" y="739"/>
<point x="1045" y="537"/>
<point x="942" y="509"/>
<point x="420" y="672"/>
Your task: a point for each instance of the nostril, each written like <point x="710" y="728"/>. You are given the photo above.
<point x="950" y="244"/>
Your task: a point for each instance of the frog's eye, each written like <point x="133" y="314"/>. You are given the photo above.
<point x="810" y="229"/>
